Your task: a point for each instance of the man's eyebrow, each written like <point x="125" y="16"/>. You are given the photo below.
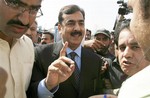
<point x="70" y="21"/>
<point x="134" y="43"/>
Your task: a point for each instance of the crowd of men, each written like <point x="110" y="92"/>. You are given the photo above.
<point x="35" y="65"/>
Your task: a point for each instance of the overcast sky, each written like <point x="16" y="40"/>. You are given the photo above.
<point x="99" y="13"/>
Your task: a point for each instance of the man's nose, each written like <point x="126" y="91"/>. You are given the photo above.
<point x="24" y="17"/>
<point x="127" y="52"/>
<point x="77" y="27"/>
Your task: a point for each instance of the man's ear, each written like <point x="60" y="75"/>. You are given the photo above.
<point x="52" y="40"/>
<point x="59" y="27"/>
<point x="110" y="41"/>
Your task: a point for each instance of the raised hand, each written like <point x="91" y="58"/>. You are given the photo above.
<point x="94" y="44"/>
<point x="59" y="71"/>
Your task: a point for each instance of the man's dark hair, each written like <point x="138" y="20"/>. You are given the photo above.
<point x="47" y="32"/>
<point x="69" y="9"/>
<point x="88" y="30"/>
<point x="56" y="24"/>
<point x="125" y="24"/>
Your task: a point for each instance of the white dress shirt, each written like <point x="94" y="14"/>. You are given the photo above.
<point x="17" y="61"/>
<point x="137" y="86"/>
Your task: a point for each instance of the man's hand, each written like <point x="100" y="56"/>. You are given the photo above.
<point x="94" y="44"/>
<point x="59" y="71"/>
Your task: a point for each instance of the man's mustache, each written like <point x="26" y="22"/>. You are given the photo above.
<point x="11" y="22"/>
<point x="76" y="33"/>
<point x="43" y="43"/>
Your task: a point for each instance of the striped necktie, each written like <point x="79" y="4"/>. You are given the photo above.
<point x="77" y="71"/>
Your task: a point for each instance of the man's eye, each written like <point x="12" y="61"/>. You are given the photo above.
<point x="122" y="48"/>
<point x="105" y="39"/>
<point x="135" y="47"/>
<point x="81" y="23"/>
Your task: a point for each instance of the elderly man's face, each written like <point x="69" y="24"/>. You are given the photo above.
<point x="140" y="24"/>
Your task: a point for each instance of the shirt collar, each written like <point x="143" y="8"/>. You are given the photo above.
<point x="77" y="51"/>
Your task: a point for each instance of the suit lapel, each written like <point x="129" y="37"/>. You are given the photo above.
<point x="72" y="80"/>
<point x="82" y="72"/>
<point x="56" y="50"/>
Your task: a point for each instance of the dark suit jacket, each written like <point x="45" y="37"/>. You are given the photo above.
<point x="116" y="75"/>
<point x="90" y="81"/>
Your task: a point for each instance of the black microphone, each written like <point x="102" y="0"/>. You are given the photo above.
<point x="119" y="2"/>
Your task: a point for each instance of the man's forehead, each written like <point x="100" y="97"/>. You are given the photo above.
<point x="32" y="3"/>
<point x="74" y="16"/>
<point x="73" y="20"/>
<point x="130" y="42"/>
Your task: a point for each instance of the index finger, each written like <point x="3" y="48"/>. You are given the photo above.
<point x="63" y="50"/>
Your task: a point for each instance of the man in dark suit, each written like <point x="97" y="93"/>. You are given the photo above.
<point x="72" y="29"/>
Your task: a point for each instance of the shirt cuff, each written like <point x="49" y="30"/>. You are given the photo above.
<point x="43" y="92"/>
